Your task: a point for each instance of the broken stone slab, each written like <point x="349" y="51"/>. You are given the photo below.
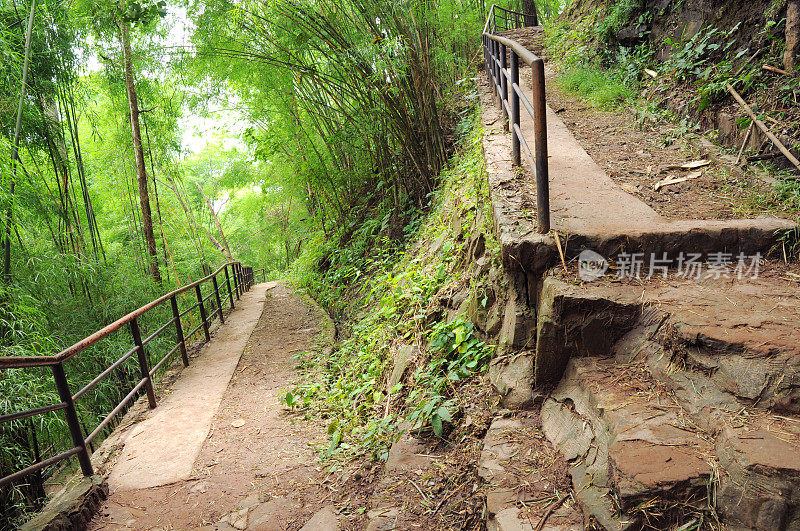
<point x="494" y="321"/>
<point x="510" y="520"/>
<point x="642" y="468"/>
<point x="72" y="507"/>
<point x="502" y="442"/>
<point x="382" y="519"/>
<point x="273" y="514"/>
<point x="624" y="447"/>
<point x="497" y="449"/>
<point x="760" y="487"/>
<point x="323" y="520"/>
<point x="408" y="452"/>
<point x="512" y="376"/>
<point x="512" y="450"/>
<point x="578" y="321"/>
<point x="402" y="359"/>
<point x="519" y="325"/>
<point x="565" y="422"/>
<point x="237" y="519"/>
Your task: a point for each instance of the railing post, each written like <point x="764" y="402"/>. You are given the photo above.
<point x="540" y="136"/>
<point x="179" y="330"/>
<point x="486" y="54"/>
<point x="72" y="419"/>
<point x="515" y="118"/>
<point x="504" y="83"/>
<point x="203" y="318"/>
<point x="493" y="45"/>
<point x="142" y="355"/>
<point x="235" y="276"/>
<point x="219" y="302"/>
<point x="228" y="282"/>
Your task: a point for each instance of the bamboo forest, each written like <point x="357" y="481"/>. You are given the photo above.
<point x="399" y="264"/>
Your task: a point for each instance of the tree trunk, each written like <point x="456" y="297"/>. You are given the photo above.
<point x="531" y="15"/>
<point x="225" y="248"/>
<point x="141" y="171"/>
<point x="792" y="34"/>
<point x="15" y="149"/>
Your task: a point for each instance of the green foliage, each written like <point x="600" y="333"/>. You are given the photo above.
<point x="387" y="294"/>
<point x="456" y="354"/>
<point x="619" y="15"/>
<point x="349" y="108"/>
<point x="693" y="58"/>
<point x="604" y="88"/>
<point x="788" y="193"/>
<point x="790" y="239"/>
<point x="572" y="41"/>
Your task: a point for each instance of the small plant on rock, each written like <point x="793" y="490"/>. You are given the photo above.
<point x="456" y="354"/>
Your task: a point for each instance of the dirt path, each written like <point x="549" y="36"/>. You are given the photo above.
<point x="638" y="153"/>
<point x="256" y="469"/>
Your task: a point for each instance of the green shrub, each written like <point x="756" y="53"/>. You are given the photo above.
<point x="603" y="88"/>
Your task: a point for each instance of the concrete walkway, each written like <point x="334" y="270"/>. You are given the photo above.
<point x="585" y="200"/>
<point x="221" y="451"/>
<point x="588" y="209"/>
<point x="163" y="448"/>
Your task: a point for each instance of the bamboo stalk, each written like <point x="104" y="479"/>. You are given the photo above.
<point x="744" y="142"/>
<point x="763" y="127"/>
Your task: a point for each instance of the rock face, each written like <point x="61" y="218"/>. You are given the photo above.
<point x="625" y="448"/>
<point x="323" y="520"/>
<point x="72" y="507"/>
<point x="574" y="323"/>
<point x="672" y="401"/>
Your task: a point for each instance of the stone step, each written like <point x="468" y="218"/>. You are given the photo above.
<point x="720" y="328"/>
<point x="523" y="476"/>
<point x="668" y="415"/>
<point x="633" y="455"/>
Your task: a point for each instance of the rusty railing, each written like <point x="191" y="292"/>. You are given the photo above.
<point x="502" y="57"/>
<point x="502" y="19"/>
<point x="235" y="278"/>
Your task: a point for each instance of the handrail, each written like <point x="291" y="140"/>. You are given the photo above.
<point x="521" y="20"/>
<point x="237" y="278"/>
<point x="527" y="56"/>
<point x="15" y="362"/>
<point x="501" y="57"/>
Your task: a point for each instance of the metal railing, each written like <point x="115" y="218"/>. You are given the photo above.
<point x="237" y="278"/>
<point x="509" y="19"/>
<point x="262" y="272"/>
<point x="502" y="57"/>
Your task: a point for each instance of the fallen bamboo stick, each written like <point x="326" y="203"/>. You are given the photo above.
<point x="763" y="127"/>
<point x="775" y="69"/>
<point x="746" y="138"/>
<point x="765" y="156"/>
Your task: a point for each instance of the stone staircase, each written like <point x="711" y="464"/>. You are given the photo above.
<point x="674" y="402"/>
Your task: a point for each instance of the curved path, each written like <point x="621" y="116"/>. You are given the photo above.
<point x="220" y="451"/>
